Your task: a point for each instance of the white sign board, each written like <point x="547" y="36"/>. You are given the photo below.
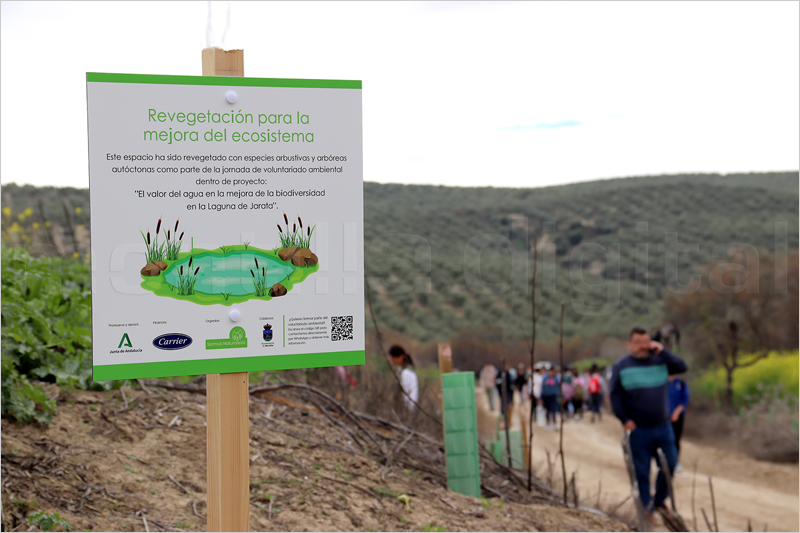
<point x="227" y="224"/>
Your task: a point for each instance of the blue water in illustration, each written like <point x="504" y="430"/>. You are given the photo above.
<point x="229" y="274"/>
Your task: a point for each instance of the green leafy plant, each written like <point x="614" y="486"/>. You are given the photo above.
<point x="48" y="521"/>
<point x="260" y="279"/>
<point x="28" y="402"/>
<point x="46" y="335"/>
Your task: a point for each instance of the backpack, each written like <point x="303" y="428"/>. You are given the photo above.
<point x="594" y="385"/>
<point x="578" y="391"/>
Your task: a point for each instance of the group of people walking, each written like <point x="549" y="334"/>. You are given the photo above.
<point x="643" y="389"/>
<point x="581" y="392"/>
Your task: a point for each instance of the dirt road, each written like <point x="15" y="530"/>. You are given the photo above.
<point x="744" y="488"/>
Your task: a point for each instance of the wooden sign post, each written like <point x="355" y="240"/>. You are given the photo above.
<point x="227" y="396"/>
<point x="445" y="358"/>
<point x="195" y="123"/>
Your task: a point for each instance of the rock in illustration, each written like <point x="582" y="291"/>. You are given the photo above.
<point x="286" y="253"/>
<point x="161" y="264"/>
<point x="312" y="260"/>
<point x="300" y="257"/>
<point x="277" y="290"/>
<point x="151" y="269"/>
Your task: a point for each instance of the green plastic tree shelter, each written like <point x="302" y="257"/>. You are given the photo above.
<point x="461" y="433"/>
<point x="498" y="448"/>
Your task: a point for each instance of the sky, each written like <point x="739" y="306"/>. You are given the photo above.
<point x="504" y="94"/>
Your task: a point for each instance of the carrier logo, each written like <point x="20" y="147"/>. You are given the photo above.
<point x="172" y="341"/>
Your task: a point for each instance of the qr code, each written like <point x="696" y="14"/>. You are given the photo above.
<point x="341" y="328"/>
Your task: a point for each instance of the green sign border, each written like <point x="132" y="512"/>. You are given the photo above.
<point x="226" y="365"/>
<point x="227" y="81"/>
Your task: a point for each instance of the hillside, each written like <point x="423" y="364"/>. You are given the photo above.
<point x="136" y="461"/>
<point x="444" y="259"/>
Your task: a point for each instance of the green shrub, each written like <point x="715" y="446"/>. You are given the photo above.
<point x="46" y="331"/>
<point x="777" y="375"/>
<point x="48" y="521"/>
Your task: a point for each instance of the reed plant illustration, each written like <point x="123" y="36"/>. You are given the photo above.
<point x="301" y="238"/>
<point x="187" y="281"/>
<point x="154" y="251"/>
<point x="260" y="279"/>
<point x="173" y="244"/>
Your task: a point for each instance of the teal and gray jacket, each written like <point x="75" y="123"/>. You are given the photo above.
<point x="638" y="387"/>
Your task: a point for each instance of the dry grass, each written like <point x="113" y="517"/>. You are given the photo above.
<point x="766" y="431"/>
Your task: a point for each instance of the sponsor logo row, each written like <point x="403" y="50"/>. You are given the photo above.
<point x="177" y="341"/>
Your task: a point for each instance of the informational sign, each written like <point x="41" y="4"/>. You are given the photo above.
<point x="227" y="224"/>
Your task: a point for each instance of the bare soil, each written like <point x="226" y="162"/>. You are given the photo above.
<point x="138" y="462"/>
<point x="745" y="489"/>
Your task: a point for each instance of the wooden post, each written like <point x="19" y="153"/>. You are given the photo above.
<point x="526" y="450"/>
<point x="445" y="358"/>
<point x="445" y="367"/>
<point x="227" y="396"/>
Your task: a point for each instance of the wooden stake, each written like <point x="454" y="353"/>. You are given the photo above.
<point x="705" y="517"/>
<point x="529" y="446"/>
<point x="445" y="358"/>
<point x="526" y="451"/>
<point x="227" y="396"/>
<point x="445" y="367"/>
<point x="219" y="62"/>
<point x="561" y="402"/>
<point x="713" y="504"/>
<point x="694" y="480"/>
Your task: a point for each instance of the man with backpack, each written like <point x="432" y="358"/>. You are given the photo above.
<point x="551" y="387"/>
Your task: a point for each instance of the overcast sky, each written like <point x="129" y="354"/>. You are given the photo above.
<point x="455" y="93"/>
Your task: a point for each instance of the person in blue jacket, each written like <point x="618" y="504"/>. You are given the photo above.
<point x="551" y="385"/>
<point x="678" y="392"/>
<point x="639" y="398"/>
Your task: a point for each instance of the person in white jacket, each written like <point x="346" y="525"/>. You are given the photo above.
<point x="536" y="391"/>
<point x="407" y="376"/>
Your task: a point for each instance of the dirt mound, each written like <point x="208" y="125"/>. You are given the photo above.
<point x="125" y="462"/>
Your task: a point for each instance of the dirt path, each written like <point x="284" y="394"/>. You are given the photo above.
<point x="744" y="488"/>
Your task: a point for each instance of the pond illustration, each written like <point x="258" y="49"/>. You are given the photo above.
<point x="228" y="274"/>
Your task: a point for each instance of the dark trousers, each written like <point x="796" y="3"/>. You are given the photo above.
<point x="596" y="402"/>
<point x="509" y="401"/>
<point x="578" y="404"/>
<point x="551" y="405"/>
<point x="644" y="443"/>
<point x="677" y="429"/>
